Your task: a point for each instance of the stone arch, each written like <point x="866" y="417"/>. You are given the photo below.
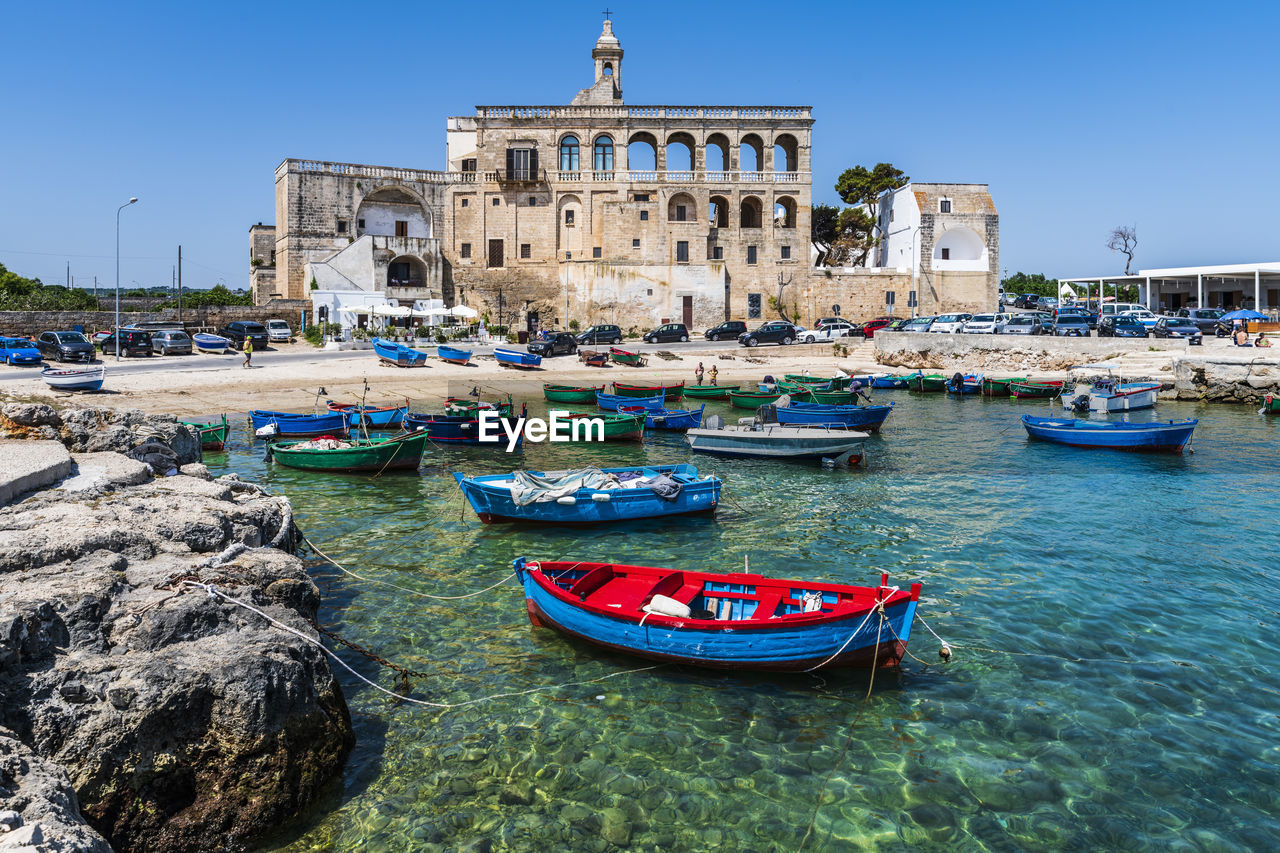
<point x="749" y="212"/>
<point x="571" y="226"/>
<point x="385" y="206"/>
<point x="959" y="248"/>
<point x="786" y="153"/>
<point x="718" y="211"/>
<point x="570" y="153"/>
<point x="407" y="271"/>
<point x="679" y="153"/>
<point x="682" y="208"/>
<point x="751" y="145"/>
<point x="784" y="212"/>
<point x="602" y="153"/>
<point x="718" y="145"/>
<point x="642" y="151"/>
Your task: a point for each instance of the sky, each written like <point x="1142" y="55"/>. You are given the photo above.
<point x="1080" y="116"/>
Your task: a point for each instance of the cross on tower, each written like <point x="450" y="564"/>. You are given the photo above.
<point x="607" y="13"/>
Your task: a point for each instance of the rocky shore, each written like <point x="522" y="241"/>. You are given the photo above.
<point x="1227" y="378"/>
<point x="138" y="711"/>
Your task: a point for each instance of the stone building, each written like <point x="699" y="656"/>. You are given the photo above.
<point x="262" y="263"/>
<point x="594" y="211"/>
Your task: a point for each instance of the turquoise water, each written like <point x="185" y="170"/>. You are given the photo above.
<point x="1112" y="616"/>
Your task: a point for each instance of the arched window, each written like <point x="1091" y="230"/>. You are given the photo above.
<point x="603" y="154"/>
<point x="719" y="212"/>
<point x="569" y="154"/>
<point x="749" y="212"/>
<point x="608" y="69"/>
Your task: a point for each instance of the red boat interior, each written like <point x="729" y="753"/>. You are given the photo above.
<point x="626" y="590"/>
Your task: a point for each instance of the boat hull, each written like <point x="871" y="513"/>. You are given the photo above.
<point x="570" y="393"/>
<point x="753" y="399"/>
<point x="617" y="426"/>
<point x="495" y="504"/>
<point x="998" y="387"/>
<point x="517" y="359"/>
<point x="388" y="455"/>
<point x="1034" y="390"/>
<point x="453" y="356"/>
<point x="929" y="382"/>
<point x="1170" y="437"/>
<point x="868" y="418"/>
<point x="371" y="417"/>
<point x="709" y="392"/>
<point x="398" y="355"/>
<point x="611" y="402"/>
<point x="784" y="442"/>
<point x="669" y="392"/>
<point x="672" y="419"/>
<point x="75" y="378"/>
<point x="291" y="425"/>
<point x="794" y="642"/>
<point x="463" y="429"/>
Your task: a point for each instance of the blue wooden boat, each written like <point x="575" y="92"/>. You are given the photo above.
<point x="453" y="355"/>
<point x="465" y="428"/>
<point x="516" y="358"/>
<point x="611" y="402"/>
<point x="890" y="382"/>
<point x="962" y="384"/>
<point x="401" y="355"/>
<point x="868" y="418"/>
<point x="721" y="620"/>
<point x="1171" y="436"/>
<point x="293" y="425"/>
<point x="667" y="418"/>
<point x="589" y="496"/>
<point x="372" y="417"/>
<point x="206" y="342"/>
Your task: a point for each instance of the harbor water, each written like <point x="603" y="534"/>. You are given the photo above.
<point x="1112" y="616"/>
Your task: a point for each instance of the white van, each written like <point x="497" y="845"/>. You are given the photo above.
<point x="1109" y="308"/>
<point x="278" y="330"/>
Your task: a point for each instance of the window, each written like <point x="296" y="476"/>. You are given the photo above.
<point x="946" y="254"/>
<point x="568" y="217"/>
<point x="360" y="224"/>
<point x="640" y="197"/>
<point x="682" y="252"/>
<point x="635" y="242"/>
<point x="603" y="152"/>
<point x="569" y="154"/>
<point x="680" y="213"/>
<point x="465" y="202"/>
<point x="342" y="226"/>
<point x="273" y="255"/>
<point x="495" y="253"/>
<point x="469" y="165"/>
<point x="465" y="250"/>
<point x="533" y="201"/>
<point x="944" y="205"/>
<point x="595" y="253"/>
<point x="753" y="306"/>
<point x="526" y="250"/>
<point x="786" y="253"/>
<point x="751" y="254"/>
<point x="496" y="200"/>
<point x="402" y="228"/>
<point x="522" y="164"/>
<point x="717" y="253"/>
<point x="644" y="216"/>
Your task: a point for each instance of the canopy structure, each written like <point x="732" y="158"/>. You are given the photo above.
<point x="1225" y="286"/>
<point x="463" y="312"/>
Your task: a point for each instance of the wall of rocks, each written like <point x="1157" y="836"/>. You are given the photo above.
<point x="1005" y="352"/>
<point x="32" y="323"/>
<point x="1226" y="378"/>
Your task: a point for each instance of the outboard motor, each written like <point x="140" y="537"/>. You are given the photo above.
<point x="1081" y="403"/>
<point x="957" y="383"/>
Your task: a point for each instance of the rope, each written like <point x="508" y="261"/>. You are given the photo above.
<point x="879" y="608"/>
<point x="345" y="570"/>
<point x="209" y="588"/>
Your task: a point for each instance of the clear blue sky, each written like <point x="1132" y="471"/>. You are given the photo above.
<point x="1081" y="117"/>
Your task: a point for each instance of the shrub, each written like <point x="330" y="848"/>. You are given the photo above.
<point x="574" y="325"/>
<point x="422" y="332"/>
<point x="441" y="338"/>
<point x="313" y="335"/>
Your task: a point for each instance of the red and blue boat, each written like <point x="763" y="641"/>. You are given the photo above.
<point x="611" y="402"/>
<point x="965" y="383"/>
<point x="371" y="417"/>
<point x="1171" y="436"/>
<point x="735" y="621"/>
<point x="464" y="428"/>
<point x="272" y="425"/>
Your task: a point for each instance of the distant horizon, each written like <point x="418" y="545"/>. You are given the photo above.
<point x="1079" y="118"/>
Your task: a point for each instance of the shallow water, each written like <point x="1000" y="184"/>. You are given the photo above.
<point x="1112" y="615"/>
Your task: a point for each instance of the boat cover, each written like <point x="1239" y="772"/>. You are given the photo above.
<point x="528" y="488"/>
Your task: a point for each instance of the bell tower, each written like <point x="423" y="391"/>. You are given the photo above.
<point x="607" y="88"/>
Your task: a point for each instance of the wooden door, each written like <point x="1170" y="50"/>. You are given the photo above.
<point x="688" y="311"/>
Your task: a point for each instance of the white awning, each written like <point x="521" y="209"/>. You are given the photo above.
<point x="390" y="311"/>
<point x="462" y="311"/>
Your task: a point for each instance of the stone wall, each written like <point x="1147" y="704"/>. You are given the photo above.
<point x="1226" y="378"/>
<point x="32" y="323"/>
<point x="1005" y="352"/>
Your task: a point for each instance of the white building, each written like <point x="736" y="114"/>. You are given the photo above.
<point x="1226" y="286"/>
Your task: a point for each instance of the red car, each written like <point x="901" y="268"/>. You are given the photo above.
<point x="869" y="328"/>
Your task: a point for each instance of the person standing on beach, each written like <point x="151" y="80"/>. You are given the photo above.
<point x="248" y="352"/>
<point x="697" y="374"/>
<point x="714" y="371"/>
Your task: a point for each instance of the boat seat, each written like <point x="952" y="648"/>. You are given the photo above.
<point x="629" y="593"/>
<point x="768" y="606"/>
<point x="687" y="593"/>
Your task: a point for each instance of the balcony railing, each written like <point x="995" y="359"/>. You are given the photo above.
<point x="658" y="176"/>
<point x="643" y="112"/>
<point x="674" y="176"/>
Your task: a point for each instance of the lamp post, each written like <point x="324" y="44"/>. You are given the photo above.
<point x="118" y="209"/>
<point x="914" y="264"/>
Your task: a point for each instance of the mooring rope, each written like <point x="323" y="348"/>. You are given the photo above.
<point x="213" y="592"/>
<point x="879" y="608"/>
<point x="345" y="570"/>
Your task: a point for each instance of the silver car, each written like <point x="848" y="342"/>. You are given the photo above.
<point x="1022" y="324"/>
<point x="171" y="342"/>
<point x="983" y="324"/>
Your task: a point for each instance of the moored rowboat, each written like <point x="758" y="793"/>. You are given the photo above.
<point x="721" y="620"/>
<point x="928" y="382"/>
<point x="998" y="387"/>
<point x="1035" y="390"/>
<point x="670" y="392"/>
<point x="75" y="378"/>
<point x="709" y="392"/>
<point x="515" y="358"/>
<point x="611" y="402"/>
<point x="213" y="436"/>
<point x="617" y="426"/>
<point x="777" y="442"/>
<point x="1172" y="436"/>
<point x="570" y="393"/>
<point x="397" y="354"/>
<point x="372" y="417"/>
<point x="753" y="399"/>
<point x="293" y="425"/>
<point x="385" y="454"/>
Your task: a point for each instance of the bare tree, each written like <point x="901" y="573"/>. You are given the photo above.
<point x="1124" y="239"/>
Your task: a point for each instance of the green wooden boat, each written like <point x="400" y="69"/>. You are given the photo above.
<point x="668" y="392"/>
<point x="632" y="359"/>
<point x="617" y="426"/>
<point x="929" y="382"/>
<point x="753" y="399"/>
<point x="569" y="393"/>
<point x="809" y="381"/>
<point x="212" y="436"/>
<point x="1271" y="403"/>
<point x="998" y="387"/>
<point x="709" y="392"/>
<point x="378" y="454"/>
<point x="1036" y="390"/>
<point x="795" y="389"/>
<point x="834" y="398"/>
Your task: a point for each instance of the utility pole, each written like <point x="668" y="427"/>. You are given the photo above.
<point x="179" y="282"/>
<point x="68" y="275"/>
<point x="95" y="292"/>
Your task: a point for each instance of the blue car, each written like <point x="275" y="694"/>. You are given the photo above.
<point x="18" y="351"/>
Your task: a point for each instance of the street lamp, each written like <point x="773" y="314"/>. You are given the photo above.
<point x="118" y="209"/>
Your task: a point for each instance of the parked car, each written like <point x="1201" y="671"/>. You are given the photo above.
<point x="65" y="346"/>
<point x="1026" y="300"/>
<point x="1045" y="303"/>
<point x="554" y="343"/>
<point x="1070" y="325"/>
<point x="132" y="342"/>
<point x="278" y="330"/>
<point x="239" y="331"/>
<point x="602" y="333"/>
<point x="728" y="329"/>
<point x="828" y="332"/>
<point x="1001" y="298"/>
<point x="667" y="333"/>
<point x="1178" y="327"/>
<point x="1120" y="326"/>
<point x="950" y="323"/>
<point x="1109" y="308"/>
<point x="982" y="324"/>
<point x="19" y="351"/>
<point x="171" y="342"/>
<point x="822" y="321"/>
<point x="1143" y="316"/>
<point x="1206" y="319"/>
<point x="918" y="324"/>
<point x="1022" y="324"/>
<point x="895" y="326"/>
<point x="773" y="332"/>
<point x="869" y="328"/>
<point x="1089" y="317"/>
<point x="97" y="337"/>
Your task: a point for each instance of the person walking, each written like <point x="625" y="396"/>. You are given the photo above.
<point x="697" y="374"/>
<point x="248" y="352"/>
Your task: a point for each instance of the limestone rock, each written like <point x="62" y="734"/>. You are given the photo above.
<point x="98" y="430"/>
<point x="39" y="804"/>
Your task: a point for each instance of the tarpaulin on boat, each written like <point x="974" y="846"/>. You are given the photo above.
<point x="528" y="487"/>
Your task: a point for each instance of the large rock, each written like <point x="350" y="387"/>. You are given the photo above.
<point x="182" y="721"/>
<point x="38" y="806"/>
<point x="98" y="430"/>
<point x="1234" y="377"/>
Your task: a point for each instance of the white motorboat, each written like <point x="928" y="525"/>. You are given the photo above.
<point x="771" y="441"/>
<point x="1109" y="393"/>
